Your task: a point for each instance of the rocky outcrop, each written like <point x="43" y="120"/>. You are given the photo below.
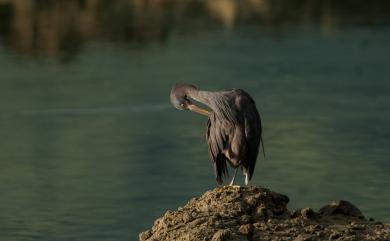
<point x="235" y="213"/>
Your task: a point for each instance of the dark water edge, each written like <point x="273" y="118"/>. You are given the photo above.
<point x="93" y="150"/>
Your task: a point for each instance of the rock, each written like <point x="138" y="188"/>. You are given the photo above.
<point x="334" y="235"/>
<point x="222" y="235"/>
<point x="256" y="213"/>
<point x="246" y="229"/>
<point x="305" y="238"/>
<point x="306" y="213"/>
<point x="227" y="235"/>
<point x="145" y="235"/>
<point x="245" y="219"/>
<point x="341" y="208"/>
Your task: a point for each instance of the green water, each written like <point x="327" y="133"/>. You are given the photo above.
<point x="92" y="150"/>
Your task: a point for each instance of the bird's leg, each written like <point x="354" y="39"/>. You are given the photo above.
<point x="246" y="178"/>
<point x="234" y="177"/>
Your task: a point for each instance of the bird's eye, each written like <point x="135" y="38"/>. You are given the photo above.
<point x="182" y="105"/>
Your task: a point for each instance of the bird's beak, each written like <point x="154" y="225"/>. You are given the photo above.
<point x="198" y="110"/>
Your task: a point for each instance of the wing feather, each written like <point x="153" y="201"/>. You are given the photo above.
<point x="231" y="110"/>
<point x="216" y="141"/>
<point x="253" y="129"/>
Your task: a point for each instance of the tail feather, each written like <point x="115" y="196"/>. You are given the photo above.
<point x="220" y="168"/>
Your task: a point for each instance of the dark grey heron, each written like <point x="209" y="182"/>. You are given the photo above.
<point x="233" y="128"/>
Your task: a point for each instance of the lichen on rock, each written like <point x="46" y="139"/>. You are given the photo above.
<point x="235" y="213"/>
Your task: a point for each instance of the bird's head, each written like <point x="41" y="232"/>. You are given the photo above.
<point x="179" y="96"/>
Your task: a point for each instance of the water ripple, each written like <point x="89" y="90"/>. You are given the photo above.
<point x="88" y="111"/>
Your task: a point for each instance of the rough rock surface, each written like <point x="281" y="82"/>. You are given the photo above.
<point x="255" y="213"/>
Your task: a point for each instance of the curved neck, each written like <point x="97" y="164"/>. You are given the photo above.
<point x="200" y="96"/>
<point x="218" y="102"/>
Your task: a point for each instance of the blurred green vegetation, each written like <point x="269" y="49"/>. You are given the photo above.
<point x="62" y="27"/>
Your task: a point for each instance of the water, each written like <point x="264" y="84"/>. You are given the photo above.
<point x="92" y="150"/>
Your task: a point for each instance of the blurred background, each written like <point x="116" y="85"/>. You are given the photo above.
<point x="92" y="150"/>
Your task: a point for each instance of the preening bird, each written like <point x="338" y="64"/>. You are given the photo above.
<point x="233" y="131"/>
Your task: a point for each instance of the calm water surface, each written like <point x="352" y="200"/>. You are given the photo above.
<point x="92" y="150"/>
